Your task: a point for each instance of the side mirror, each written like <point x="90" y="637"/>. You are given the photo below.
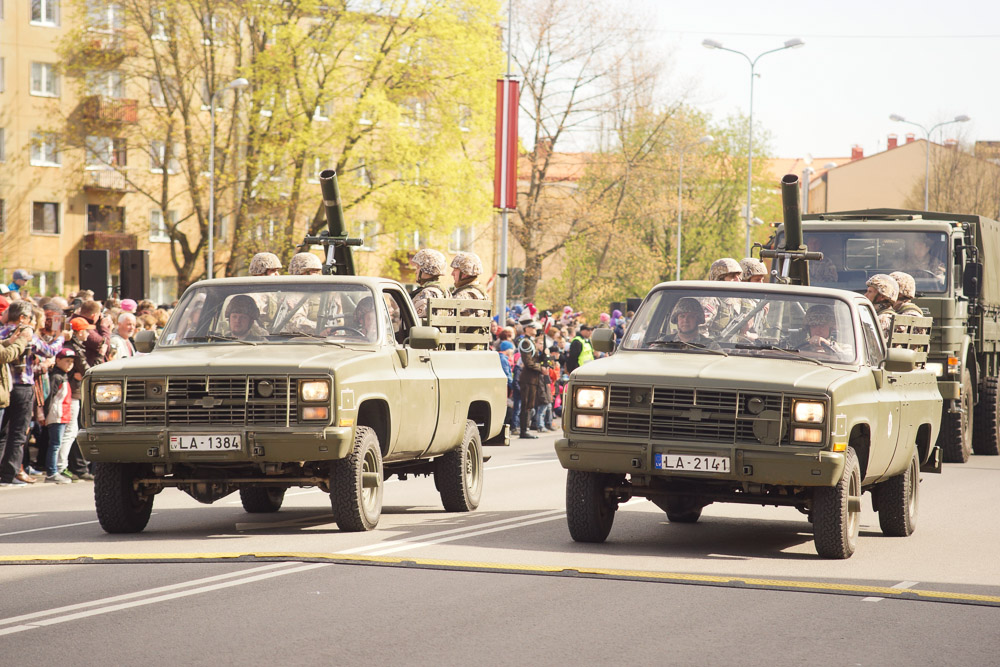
<point x="603" y="340"/>
<point x="972" y="279"/>
<point x="145" y="340"/>
<point x="900" y="360"/>
<point x="424" y="338"/>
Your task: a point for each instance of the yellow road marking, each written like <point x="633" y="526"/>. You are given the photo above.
<point x="514" y="568"/>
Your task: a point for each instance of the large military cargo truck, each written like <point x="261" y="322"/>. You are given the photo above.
<point x="955" y="262"/>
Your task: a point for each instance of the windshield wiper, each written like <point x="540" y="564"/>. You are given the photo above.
<point x="228" y="339"/>
<point x="303" y="334"/>
<point x="775" y="348"/>
<point x="684" y="345"/>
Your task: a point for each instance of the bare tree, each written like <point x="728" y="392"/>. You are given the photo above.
<point x="959" y="183"/>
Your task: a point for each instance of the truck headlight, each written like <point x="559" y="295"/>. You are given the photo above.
<point x="590" y="398"/>
<point x="108" y="392"/>
<point x="809" y="412"/>
<point x="813" y="436"/>
<point x="589" y="421"/>
<point x="108" y="416"/>
<point x="935" y="367"/>
<point x="314" y="391"/>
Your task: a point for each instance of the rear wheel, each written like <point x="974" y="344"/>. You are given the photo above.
<point x="837" y="512"/>
<point x="262" y="499"/>
<point x="356" y="484"/>
<point x="590" y="510"/>
<point x="898" y="499"/>
<point x="459" y="473"/>
<point x="987" y="440"/>
<point x="121" y="507"/>
<point x="956" y="429"/>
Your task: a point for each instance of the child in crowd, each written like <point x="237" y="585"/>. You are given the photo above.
<point x="58" y="412"/>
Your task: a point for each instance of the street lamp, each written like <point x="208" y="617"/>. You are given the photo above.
<point x="806" y="173"/>
<point x="713" y="44"/>
<point x="927" y="159"/>
<point x="707" y="139"/>
<point x="235" y="84"/>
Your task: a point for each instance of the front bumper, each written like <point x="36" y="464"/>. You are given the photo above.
<point x="949" y="389"/>
<point x="780" y="466"/>
<point x="259" y="445"/>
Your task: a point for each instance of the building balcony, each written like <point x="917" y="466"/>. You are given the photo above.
<point x="112" y="241"/>
<point x="106" y="180"/>
<point x="108" y="45"/>
<point x="110" y="109"/>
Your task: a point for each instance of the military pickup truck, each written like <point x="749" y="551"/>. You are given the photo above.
<point x="797" y="400"/>
<point x="954" y="260"/>
<point x="261" y="384"/>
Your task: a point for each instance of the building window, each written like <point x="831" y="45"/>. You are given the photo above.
<point x="163" y="289"/>
<point x="159" y="23"/>
<point x="368" y="231"/>
<point x="159" y="230"/>
<point x="215" y="29"/>
<point x="106" y="152"/>
<point x="45" y="150"/>
<point x="105" y="218"/>
<point x="107" y="84"/>
<point x="323" y="111"/>
<point x="460" y="240"/>
<point x="221" y="228"/>
<point x="45" y="12"/>
<point x="104" y="16"/>
<point x="46" y="283"/>
<point x="45" y="217"/>
<point x="44" y="80"/>
<point x="409" y="240"/>
<point x="158" y="157"/>
<point x="161" y="91"/>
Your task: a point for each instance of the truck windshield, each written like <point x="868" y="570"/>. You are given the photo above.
<point x="261" y="314"/>
<point x="851" y="257"/>
<point x="744" y="322"/>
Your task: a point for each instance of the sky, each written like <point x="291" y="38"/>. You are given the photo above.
<point x="862" y="61"/>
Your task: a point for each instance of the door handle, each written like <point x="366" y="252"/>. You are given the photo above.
<point x="892" y="380"/>
<point x="425" y="359"/>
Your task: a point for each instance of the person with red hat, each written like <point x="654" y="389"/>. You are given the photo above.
<point x="81" y="337"/>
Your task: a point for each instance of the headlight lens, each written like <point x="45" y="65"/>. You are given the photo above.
<point x="813" y="436"/>
<point x="315" y="390"/>
<point x="316" y="412"/>
<point x="589" y="421"/>
<point x="110" y="392"/>
<point x="590" y="398"/>
<point x="108" y="416"/>
<point x="809" y="412"/>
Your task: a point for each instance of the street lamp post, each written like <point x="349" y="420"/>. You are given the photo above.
<point x="235" y="84"/>
<point x="713" y="44"/>
<point x="707" y="139"/>
<point x="806" y="173"/>
<point x="927" y="157"/>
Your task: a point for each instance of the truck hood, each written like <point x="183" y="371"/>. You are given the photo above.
<point x="234" y="360"/>
<point x="693" y="369"/>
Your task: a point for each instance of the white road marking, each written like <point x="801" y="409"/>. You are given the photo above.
<point x="151" y="591"/>
<point x="35" y="530"/>
<point x="450" y="538"/>
<point x="161" y="598"/>
<point x="518" y="465"/>
<point x="291" y="523"/>
<point x="901" y="585"/>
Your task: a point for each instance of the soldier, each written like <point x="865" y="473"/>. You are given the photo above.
<point x="265" y="264"/>
<point x="291" y="317"/>
<point x="466" y="270"/>
<point x="907" y="290"/>
<point x="883" y="291"/>
<point x="688" y="315"/>
<point x="754" y="270"/>
<point x="430" y="265"/>
<point x="532" y="376"/>
<point x="243" y="314"/>
<point x="720" y="312"/>
<point x="920" y="259"/>
<point x="303" y="264"/>
<point x="821" y="326"/>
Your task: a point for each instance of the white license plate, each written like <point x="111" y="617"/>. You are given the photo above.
<point x="189" y="442"/>
<point x="690" y="463"/>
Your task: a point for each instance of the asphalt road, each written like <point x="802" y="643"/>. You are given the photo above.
<point x="502" y="585"/>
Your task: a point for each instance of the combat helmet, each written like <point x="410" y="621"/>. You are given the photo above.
<point x="468" y="263"/>
<point x="821" y="315"/>
<point x="430" y="261"/>
<point x="241" y="303"/>
<point x="302" y="262"/>
<point x="884" y="285"/>
<point x="752" y="267"/>
<point x="907" y="286"/>
<point x="688" y="305"/>
<point x="723" y="267"/>
<point x="263" y="262"/>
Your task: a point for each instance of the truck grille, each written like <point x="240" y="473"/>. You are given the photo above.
<point x="703" y="415"/>
<point x="222" y="401"/>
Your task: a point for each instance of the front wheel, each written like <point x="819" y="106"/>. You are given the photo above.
<point x="356" y="484"/>
<point x="897" y="501"/>
<point x="837" y="512"/>
<point x="121" y="507"/>
<point x="459" y="473"/>
<point x="956" y="429"/>
<point x="590" y="509"/>
<point x="262" y="499"/>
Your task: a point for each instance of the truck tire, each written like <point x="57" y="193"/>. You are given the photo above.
<point x="120" y="507"/>
<point x="356" y="484"/>
<point x="459" y="473"/>
<point x="262" y="499"/>
<point x="898" y="499"/>
<point x="589" y="512"/>
<point x="987" y="431"/>
<point x="835" y="526"/>
<point x="956" y="430"/>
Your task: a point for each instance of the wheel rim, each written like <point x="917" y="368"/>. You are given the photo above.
<point x="912" y="492"/>
<point x="369" y="497"/>
<point x="473" y="466"/>
<point x="853" y="518"/>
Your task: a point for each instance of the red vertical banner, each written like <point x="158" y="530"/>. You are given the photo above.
<point x="505" y="168"/>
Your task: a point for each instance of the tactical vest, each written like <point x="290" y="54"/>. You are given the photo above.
<point x="471" y="287"/>
<point x="428" y="285"/>
<point x="587" y="351"/>
<point x="910" y="308"/>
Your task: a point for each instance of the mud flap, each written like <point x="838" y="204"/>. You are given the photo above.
<point x="501" y="439"/>
<point x="933" y="462"/>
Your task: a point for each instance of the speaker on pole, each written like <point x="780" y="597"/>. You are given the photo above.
<point x="632" y="304"/>
<point x="134" y="274"/>
<point x="94" y="272"/>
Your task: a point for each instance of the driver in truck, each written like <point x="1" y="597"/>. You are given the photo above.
<point x="243" y="313"/>
<point x="688" y="315"/>
<point x="920" y="259"/>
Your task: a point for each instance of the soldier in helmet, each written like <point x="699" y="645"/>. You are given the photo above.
<point x="907" y="290"/>
<point x="265" y="264"/>
<point x="719" y="312"/>
<point x="304" y="264"/>
<point x="821" y="328"/>
<point x="243" y="314"/>
<point x="466" y="268"/>
<point x="290" y="317"/>
<point x="431" y="265"/>
<point x="688" y="315"/>
<point x="883" y="291"/>
<point x="754" y="270"/>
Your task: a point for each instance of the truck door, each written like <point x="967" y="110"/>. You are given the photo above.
<point x="418" y="414"/>
<point x="885" y="422"/>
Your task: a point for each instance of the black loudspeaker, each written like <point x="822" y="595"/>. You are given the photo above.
<point x="632" y="304"/>
<point x="616" y="305"/>
<point x="94" y="273"/>
<point x="134" y="276"/>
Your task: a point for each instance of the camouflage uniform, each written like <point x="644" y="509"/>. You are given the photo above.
<point x="753" y="267"/>
<point x="468" y="285"/>
<point x="904" y="305"/>
<point x="720" y="312"/>
<point x="430" y="263"/>
<point x="888" y="288"/>
<point x="693" y="306"/>
<point x="260" y="264"/>
<point x="302" y="262"/>
<point x="246" y="305"/>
